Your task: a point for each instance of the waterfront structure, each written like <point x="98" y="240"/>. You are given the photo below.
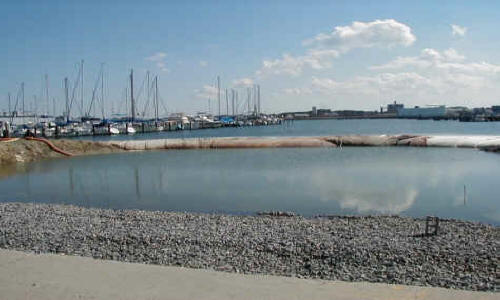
<point x="428" y="112"/>
<point x="394" y="107"/>
<point x="496" y="110"/>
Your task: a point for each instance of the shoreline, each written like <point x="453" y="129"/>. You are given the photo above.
<point x="384" y="249"/>
<point x="24" y="150"/>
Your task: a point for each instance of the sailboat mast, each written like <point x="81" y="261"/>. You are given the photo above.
<point x="254" y="99"/>
<point x="156" y="98"/>
<point x="258" y="100"/>
<point x="35" y="109"/>
<point x="148" y="87"/>
<point x="248" y="100"/>
<point x="236" y="103"/>
<point x="47" y="93"/>
<point x="132" y="104"/>
<point x="227" y="104"/>
<point x="22" y="95"/>
<point x="102" y="91"/>
<point x="67" y="98"/>
<point x="10" y="112"/>
<point x="81" y="104"/>
<point x="218" y="93"/>
<point x="232" y="101"/>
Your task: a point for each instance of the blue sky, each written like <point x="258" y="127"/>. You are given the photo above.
<point x="403" y="50"/>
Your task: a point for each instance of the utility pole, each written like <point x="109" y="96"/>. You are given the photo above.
<point x="132" y="94"/>
<point x="67" y="98"/>
<point x="218" y="93"/>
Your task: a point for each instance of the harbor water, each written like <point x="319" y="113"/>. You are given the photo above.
<point x="328" y="127"/>
<point x="445" y="182"/>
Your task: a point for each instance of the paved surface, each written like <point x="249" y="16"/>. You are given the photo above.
<point x="30" y="276"/>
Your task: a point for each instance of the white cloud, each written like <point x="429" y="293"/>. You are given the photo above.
<point x="294" y="65"/>
<point x="379" y="33"/>
<point x="433" y="84"/>
<point x="325" y="47"/>
<point x="385" y="83"/>
<point x="158" y="56"/>
<point x="242" y="82"/>
<point x="203" y="63"/>
<point x="446" y="61"/>
<point x="457" y="30"/>
<point x="297" y="91"/>
<point x="208" y="91"/>
<point x="159" y="59"/>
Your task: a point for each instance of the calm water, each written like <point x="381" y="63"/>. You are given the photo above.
<point x="407" y="181"/>
<point x="333" y="127"/>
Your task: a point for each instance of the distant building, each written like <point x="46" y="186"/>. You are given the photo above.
<point x="456" y="111"/>
<point x="324" y="112"/>
<point x="495" y="109"/>
<point x="394" y="107"/>
<point x="300" y="115"/>
<point x="351" y="113"/>
<point x="314" y="112"/>
<point x="427" y="112"/>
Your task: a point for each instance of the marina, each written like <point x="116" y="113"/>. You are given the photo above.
<point x="353" y="148"/>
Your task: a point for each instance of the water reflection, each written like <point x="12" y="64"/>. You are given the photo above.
<point x="408" y="181"/>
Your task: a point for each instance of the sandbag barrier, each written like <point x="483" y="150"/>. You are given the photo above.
<point x="488" y="143"/>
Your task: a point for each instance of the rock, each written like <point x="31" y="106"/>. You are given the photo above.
<point x="369" y="248"/>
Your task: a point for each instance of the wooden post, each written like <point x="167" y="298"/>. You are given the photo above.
<point x="431" y="222"/>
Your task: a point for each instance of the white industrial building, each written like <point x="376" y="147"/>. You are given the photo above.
<point x="435" y="111"/>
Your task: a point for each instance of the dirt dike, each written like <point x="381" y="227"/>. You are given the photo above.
<point x="21" y="150"/>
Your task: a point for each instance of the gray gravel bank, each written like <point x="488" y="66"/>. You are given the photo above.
<point x="464" y="255"/>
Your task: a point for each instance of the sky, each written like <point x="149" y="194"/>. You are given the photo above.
<point x="328" y="54"/>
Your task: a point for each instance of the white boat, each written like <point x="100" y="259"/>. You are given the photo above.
<point x="114" y="130"/>
<point x="49" y="131"/>
<point x="130" y="129"/>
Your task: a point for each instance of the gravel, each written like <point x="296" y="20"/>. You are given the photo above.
<point x="464" y="255"/>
